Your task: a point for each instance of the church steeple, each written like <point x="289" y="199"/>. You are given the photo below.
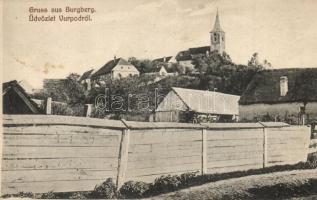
<point x="217" y="36"/>
<point x="217" y="26"/>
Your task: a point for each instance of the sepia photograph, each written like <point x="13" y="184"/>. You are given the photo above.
<point x="159" y="99"/>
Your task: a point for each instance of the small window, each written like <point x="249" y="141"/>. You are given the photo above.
<point x="302" y="109"/>
<point x="215" y="37"/>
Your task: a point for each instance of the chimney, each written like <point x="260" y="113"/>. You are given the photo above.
<point x="164" y="59"/>
<point x="283" y="85"/>
<point x="114" y="58"/>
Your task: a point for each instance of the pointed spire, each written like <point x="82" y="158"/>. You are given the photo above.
<point x="217" y="26"/>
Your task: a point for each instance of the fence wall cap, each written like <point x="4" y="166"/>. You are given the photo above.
<point x="60" y="120"/>
<point x="274" y="124"/>
<point x="231" y="125"/>
<point x="160" y="125"/>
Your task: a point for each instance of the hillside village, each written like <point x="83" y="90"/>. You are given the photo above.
<point x="200" y="84"/>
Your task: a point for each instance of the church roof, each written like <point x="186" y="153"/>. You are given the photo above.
<point x="217" y="27"/>
<point x="199" y="50"/>
<point x="187" y="54"/>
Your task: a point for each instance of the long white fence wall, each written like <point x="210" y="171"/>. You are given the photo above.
<point x="61" y="154"/>
<point x="50" y="153"/>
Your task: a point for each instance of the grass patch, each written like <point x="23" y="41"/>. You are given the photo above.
<point x="286" y="190"/>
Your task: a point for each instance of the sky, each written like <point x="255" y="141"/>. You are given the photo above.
<point x="282" y="31"/>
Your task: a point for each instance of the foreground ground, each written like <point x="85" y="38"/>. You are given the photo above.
<point x="280" y="185"/>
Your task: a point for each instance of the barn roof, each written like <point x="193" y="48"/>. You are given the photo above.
<point x="202" y="101"/>
<point x="265" y="86"/>
<point x="107" y="68"/>
<point x="10" y="105"/>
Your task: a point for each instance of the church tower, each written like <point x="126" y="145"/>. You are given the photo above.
<point x="217" y="37"/>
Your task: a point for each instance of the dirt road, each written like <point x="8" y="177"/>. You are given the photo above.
<point x="251" y="187"/>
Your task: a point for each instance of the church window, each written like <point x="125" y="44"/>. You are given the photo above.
<point x="216" y="37"/>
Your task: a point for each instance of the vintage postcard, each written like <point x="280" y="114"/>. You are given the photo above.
<point x="159" y="99"/>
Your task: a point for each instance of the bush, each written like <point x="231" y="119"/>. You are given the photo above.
<point x="106" y="190"/>
<point x="165" y="184"/>
<point x="48" y="195"/>
<point x="78" y="195"/>
<point x="134" y="189"/>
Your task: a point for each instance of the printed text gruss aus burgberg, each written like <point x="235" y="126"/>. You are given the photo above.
<point x="67" y="14"/>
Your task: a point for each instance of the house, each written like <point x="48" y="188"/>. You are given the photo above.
<point x="116" y="69"/>
<point x="16" y="100"/>
<point x="217" y="43"/>
<point x="188" y="105"/>
<point x="162" y="66"/>
<point x="288" y="95"/>
<point x="159" y="71"/>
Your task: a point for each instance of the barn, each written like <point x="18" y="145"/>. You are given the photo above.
<point x="16" y="100"/>
<point x="189" y="105"/>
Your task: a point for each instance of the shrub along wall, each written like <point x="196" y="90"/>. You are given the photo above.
<point x="62" y="154"/>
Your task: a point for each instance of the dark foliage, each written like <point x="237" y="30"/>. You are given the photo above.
<point x="49" y="195"/>
<point x="218" y="71"/>
<point x="134" y="189"/>
<point x="106" y="190"/>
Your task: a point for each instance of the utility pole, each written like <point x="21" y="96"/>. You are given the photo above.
<point x="215" y="99"/>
